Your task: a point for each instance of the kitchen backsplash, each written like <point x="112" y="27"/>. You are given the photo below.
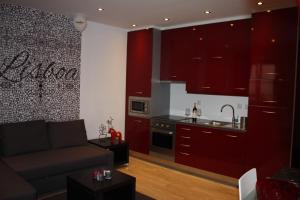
<point x="210" y="105"/>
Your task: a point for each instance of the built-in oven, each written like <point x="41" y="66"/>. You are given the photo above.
<point x="162" y="138"/>
<point x="139" y="106"/>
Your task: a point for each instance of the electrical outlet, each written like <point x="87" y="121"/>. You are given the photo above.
<point x="239" y="106"/>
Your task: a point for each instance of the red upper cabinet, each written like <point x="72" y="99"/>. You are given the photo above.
<point x="239" y="57"/>
<point x="208" y="73"/>
<point x="221" y="61"/>
<point x="139" y="63"/>
<point x="175" y="53"/>
<point x="273" y="50"/>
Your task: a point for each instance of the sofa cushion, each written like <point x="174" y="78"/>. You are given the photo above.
<point x="23" y="137"/>
<point x="14" y="187"/>
<point x="66" y="134"/>
<point x="57" y="161"/>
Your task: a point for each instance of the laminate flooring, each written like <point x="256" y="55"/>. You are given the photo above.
<point x="163" y="183"/>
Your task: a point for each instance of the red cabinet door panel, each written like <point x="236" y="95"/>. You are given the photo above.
<point x="267" y="92"/>
<point x="221" y="59"/>
<point x="268" y="139"/>
<point x="138" y="134"/>
<point x="176" y="50"/>
<point x="139" y="63"/>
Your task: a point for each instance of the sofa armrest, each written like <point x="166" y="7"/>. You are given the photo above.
<point x="14" y="187"/>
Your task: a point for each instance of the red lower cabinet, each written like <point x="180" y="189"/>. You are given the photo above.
<point x="218" y="151"/>
<point x="184" y="147"/>
<point x="137" y="134"/>
<point x="268" y="139"/>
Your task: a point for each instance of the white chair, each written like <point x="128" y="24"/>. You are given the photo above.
<point x="247" y="185"/>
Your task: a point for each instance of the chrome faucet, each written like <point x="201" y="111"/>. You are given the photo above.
<point x="233" y="116"/>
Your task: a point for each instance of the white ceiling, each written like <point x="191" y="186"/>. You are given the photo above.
<point x="143" y="13"/>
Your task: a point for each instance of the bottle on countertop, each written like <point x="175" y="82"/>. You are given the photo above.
<point x="194" y="115"/>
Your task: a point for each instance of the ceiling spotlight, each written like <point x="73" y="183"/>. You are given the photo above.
<point x="231" y="25"/>
<point x="268" y="11"/>
<point x="166" y="19"/>
<point x="133" y="25"/>
<point x="207" y="12"/>
<point x="260" y="3"/>
<point x="100" y="9"/>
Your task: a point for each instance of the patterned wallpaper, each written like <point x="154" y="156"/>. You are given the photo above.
<point x="39" y="65"/>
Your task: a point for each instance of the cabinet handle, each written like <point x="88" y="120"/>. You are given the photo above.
<point x="173" y="76"/>
<point x="139" y="92"/>
<point x="185" y="145"/>
<point x="185" y="154"/>
<point x="186" y="129"/>
<point x="232" y="136"/>
<point x="197" y="58"/>
<point x="241" y="88"/>
<point x="271" y="73"/>
<point x="270" y="101"/>
<point x="269" y="112"/>
<point x="185" y="137"/>
<point x="206" y="132"/>
<point x="138" y="121"/>
<point x="205" y="87"/>
<point x="217" y="57"/>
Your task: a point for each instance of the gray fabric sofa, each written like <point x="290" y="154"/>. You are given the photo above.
<point x="37" y="156"/>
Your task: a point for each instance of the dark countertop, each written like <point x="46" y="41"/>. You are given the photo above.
<point x="206" y="123"/>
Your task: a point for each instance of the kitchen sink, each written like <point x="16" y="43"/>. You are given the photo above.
<point x="217" y="123"/>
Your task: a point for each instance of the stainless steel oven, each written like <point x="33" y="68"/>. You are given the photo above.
<point x="162" y="136"/>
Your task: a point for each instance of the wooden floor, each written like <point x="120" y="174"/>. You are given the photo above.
<point x="166" y="184"/>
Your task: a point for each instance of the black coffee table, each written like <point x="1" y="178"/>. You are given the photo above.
<point x="82" y="186"/>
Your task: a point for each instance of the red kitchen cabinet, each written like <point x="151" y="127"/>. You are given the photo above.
<point x="185" y="146"/>
<point x="273" y="50"/>
<point x="208" y="72"/>
<point x="268" y="92"/>
<point x="268" y="139"/>
<point x="232" y="153"/>
<point x="197" y="81"/>
<point x="137" y="134"/>
<point x="271" y="90"/>
<point x="139" y="63"/>
<point x="239" y="57"/>
<point x="273" y="44"/>
<point x="214" y="150"/>
<point x="175" y="53"/>
<point x="223" y="151"/>
<point x="221" y="61"/>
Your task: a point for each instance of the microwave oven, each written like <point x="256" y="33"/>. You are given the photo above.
<point x="139" y="106"/>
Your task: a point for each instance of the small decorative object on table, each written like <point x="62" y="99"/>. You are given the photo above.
<point x="100" y="175"/>
<point x="102" y="131"/>
<point x="107" y="174"/>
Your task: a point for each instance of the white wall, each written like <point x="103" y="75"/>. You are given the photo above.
<point x="103" y="74"/>
<point x="210" y="104"/>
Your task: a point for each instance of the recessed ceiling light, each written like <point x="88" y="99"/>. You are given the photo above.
<point x="166" y="19"/>
<point x="260" y="3"/>
<point x="268" y="11"/>
<point x="100" y="9"/>
<point x="133" y="25"/>
<point x="207" y="12"/>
